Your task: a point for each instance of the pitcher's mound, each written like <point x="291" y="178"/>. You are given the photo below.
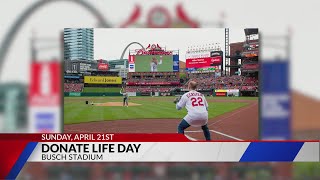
<point x="115" y="104"/>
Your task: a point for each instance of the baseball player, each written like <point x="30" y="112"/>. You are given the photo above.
<point x="154" y="64"/>
<point x="125" y="97"/>
<point x="197" y="107"/>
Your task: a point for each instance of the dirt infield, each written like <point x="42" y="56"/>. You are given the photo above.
<point x="115" y="104"/>
<point x="241" y="124"/>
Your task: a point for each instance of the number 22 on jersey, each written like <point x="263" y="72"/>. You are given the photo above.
<point x="197" y="101"/>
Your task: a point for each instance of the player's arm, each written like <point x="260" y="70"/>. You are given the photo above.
<point x="121" y="91"/>
<point x="160" y="62"/>
<point x="182" y="102"/>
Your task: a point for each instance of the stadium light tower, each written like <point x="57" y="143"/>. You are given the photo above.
<point x="276" y="88"/>
<point x="34" y="50"/>
<point x="279" y="42"/>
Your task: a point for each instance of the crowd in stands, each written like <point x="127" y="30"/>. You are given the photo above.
<point x="149" y="89"/>
<point x="228" y="82"/>
<point x="206" y="81"/>
<point x="153" y="80"/>
<point x="251" y="81"/>
<point x="73" y="87"/>
<point x="249" y="88"/>
<point x="156" y="79"/>
<point x="249" y="84"/>
<point x="209" y="81"/>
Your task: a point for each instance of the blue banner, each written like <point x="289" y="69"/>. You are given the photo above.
<point x="175" y="63"/>
<point x="275" y="104"/>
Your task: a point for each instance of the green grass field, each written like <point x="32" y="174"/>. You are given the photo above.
<point x="142" y="63"/>
<point x="306" y="170"/>
<point x="101" y="89"/>
<point x="76" y="111"/>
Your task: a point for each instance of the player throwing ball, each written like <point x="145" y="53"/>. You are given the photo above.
<point x="154" y="64"/>
<point x="197" y="107"/>
<point x="125" y="97"/>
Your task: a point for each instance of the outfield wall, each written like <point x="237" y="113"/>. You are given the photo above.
<point x="78" y="94"/>
<point x="217" y="92"/>
<point x="226" y="92"/>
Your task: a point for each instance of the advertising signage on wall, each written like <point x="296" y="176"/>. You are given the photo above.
<point x="203" y="62"/>
<point x="216" y="53"/>
<point x="103" y="66"/>
<point x="102" y="80"/>
<point x="85" y="67"/>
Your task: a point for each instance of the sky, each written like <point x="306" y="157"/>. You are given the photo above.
<point x="110" y="43"/>
<point x="272" y="17"/>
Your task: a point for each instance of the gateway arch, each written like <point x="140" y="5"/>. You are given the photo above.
<point x="18" y="23"/>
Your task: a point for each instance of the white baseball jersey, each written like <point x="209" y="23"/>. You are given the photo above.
<point x="125" y="95"/>
<point x="154" y="66"/>
<point x="197" y="107"/>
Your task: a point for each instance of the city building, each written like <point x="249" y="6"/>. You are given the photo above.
<point x="13" y="108"/>
<point x="78" y="44"/>
<point x="116" y="64"/>
<point x="120" y="66"/>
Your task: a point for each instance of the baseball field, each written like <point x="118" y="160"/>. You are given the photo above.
<point x="230" y="118"/>
<point x="142" y="63"/>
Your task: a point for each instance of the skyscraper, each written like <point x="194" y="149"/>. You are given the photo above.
<point x="78" y="44"/>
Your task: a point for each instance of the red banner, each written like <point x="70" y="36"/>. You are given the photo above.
<point x="103" y="66"/>
<point x="152" y="83"/>
<point x="45" y="84"/>
<point x="221" y="93"/>
<point x="131" y="59"/>
<point x="203" y="62"/>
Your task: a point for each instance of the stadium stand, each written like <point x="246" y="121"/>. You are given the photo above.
<point x="145" y="82"/>
<point x="149" y="89"/>
<point x="209" y="81"/>
<point x="73" y="87"/>
<point x="250" y="66"/>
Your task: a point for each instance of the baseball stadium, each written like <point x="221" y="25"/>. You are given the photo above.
<point x="153" y="77"/>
